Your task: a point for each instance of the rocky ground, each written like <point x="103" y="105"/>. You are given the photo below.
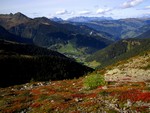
<point x="134" y="69"/>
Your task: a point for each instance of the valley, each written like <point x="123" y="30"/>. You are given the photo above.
<point x="82" y="64"/>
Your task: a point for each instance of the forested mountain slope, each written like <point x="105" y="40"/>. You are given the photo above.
<point x="120" y="50"/>
<point x="21" y="63"/>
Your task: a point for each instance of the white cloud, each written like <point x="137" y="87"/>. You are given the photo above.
<point x="84" y="12"/>
<point x="71" y="13"/>
<point x="103" y="11"/>
<point x="62" y="12"/>
<point x="147" y="7"/>
<point x="131" y="3"/>
<point x="147" y="13"/>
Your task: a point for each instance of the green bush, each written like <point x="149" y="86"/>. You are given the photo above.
<point x="94" y="80"/>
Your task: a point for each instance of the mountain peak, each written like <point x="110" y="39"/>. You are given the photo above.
<point x="11" y="20"/>
<point x="43" y="20"/>
<point x="20" y="15"/>
<point x="56" y="19"/>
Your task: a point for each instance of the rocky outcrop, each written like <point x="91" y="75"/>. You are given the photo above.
<point x="130" y="70"/>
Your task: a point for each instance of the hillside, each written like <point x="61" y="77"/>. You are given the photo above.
<point x="120" y="50"/>
<point x="134" y="69"/>
<point x="127" y="90"/>
<point x="144" y="35"/>
<point x="57" y="36"/>
<point x="21" y="63"/>
<point x="5" y="35"/>
<point x="137" y="32"/>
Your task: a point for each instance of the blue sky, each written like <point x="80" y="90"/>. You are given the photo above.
<point x="70" y="8"/>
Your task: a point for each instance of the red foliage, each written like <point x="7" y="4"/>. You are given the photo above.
<point x="100" y="87"/>
<point x="135" y="95"/>
<point x="76" y="112"/>
<point x="36" y="91"/>
<point x="88" y="104"/>
<point x="112" y="94"/>
<point x="92" y="95"/>
<point x="51" y="92"/>
<point x="78" y="95"/>
<point x="36" y="105"/>
<point x="144" y="96"/>
<point x="11" y="109"/>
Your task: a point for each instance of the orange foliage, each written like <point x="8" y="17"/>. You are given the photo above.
<point x="88" y="104"/>
<point x="78" y="95"/>
<point x="93" y="95"/>
<point x="36" y="105"/>
<point x="36" y="91"/>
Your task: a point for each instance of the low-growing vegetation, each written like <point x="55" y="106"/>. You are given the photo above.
<point x="94" y="80"/>
<point x="69" y="96"/>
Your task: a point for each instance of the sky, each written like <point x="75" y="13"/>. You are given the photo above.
<point x="71" y="8"/>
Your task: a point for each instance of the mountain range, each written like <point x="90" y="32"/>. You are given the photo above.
<point x="108" y="69"/>
<point x="119" y="29"/>
<point x="88" y="19"/>
<point x="76" y="39"/>
<point x="57" y="36"/>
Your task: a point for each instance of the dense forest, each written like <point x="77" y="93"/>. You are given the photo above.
<point x="22" y="63"/>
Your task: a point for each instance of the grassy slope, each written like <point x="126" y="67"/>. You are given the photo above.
<point x="121" y="50"/>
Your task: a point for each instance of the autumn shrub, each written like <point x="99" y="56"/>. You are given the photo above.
<point x="94" y="80"/>
<point x="135" y="95"/>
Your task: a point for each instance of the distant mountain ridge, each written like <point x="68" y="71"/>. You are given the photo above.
<point x="56" y="19"/>
<point x="49" y="34"/>
<point x="88" y="19"/>
<point x="119" y="29"/>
